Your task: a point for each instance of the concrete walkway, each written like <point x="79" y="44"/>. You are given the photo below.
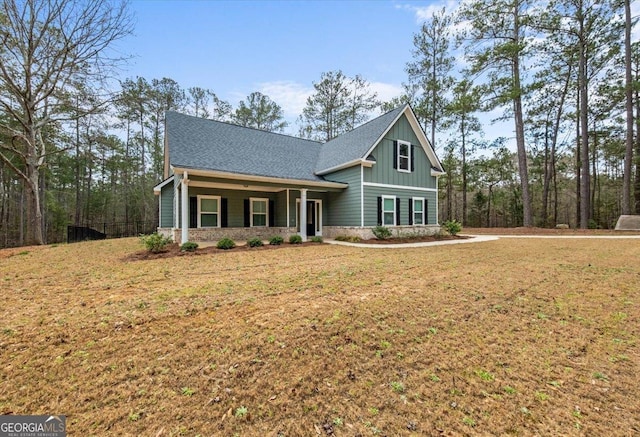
<point x="475" y="239"/>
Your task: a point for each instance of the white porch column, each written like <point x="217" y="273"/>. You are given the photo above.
<point x="303" y="214"/>
<point x="185" y="208"/>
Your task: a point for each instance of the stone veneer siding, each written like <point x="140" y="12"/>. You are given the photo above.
<point x="240" y="234"/>
<point x="236" y="234"/>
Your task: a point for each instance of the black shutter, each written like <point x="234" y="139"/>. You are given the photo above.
<point x="395" y="155"/>
<point x="193" y="212"/>
<point x="426" y="211"/>
<point x="412" y="157"/>
<point x="411" y="210"/>
<point x="398" y="211"/>
<point x="272" y="213"/>
<point x="224" y="212"/>
<point x="379" y="211"/>
<point x="247" y="213"/>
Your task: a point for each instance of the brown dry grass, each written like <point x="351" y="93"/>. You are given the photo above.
<point x="515" y="336"/>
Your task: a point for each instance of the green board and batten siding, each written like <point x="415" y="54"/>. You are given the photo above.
<point x="345" y="206"/>
<point x="383" y="172"/>
<point x="166" y="206"/>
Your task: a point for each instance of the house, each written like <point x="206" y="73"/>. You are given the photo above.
<point x="223" y="180"/>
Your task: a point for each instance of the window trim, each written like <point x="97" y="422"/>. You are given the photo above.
<point x="413" y="210"/>
<point x="266" y="212"/>
<point x="383" y="211"/>
<point x="408" y="156"/>
<point x="200" y="197"/>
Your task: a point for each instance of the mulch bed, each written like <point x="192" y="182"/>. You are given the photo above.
<point x="421" y="239"/>
<point x="173" y="250"/>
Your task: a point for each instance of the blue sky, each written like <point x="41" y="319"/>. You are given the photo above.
<point x="281" y="47"/>
<point x="277" y="47"/>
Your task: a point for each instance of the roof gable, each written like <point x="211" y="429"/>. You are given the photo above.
<point x="359" y="143"/>
<point x="354" y="144"/>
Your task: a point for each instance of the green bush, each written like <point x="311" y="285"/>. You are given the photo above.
<point x="226" y="244"/>
<point x="381" y="232"/>
<point x="295" y="239"/>
<point x="452" y="226"/>
<point x="189" y="246"/>
<point x="276" y="241"/>
<point x="254" y="242"/>
<point x="316" y="239"/>
<point x="155" y="242"/>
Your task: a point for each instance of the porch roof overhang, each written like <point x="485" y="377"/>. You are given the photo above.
<point x="362" y="162"/>
<point x="247" y="181"/>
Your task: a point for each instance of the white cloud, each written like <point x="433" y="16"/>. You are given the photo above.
<point x="424" y="13"/>
<point x="291" y="96"/>
<point x="386" y="91"/>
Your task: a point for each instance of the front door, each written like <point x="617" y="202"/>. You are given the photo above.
<point x="311" y="218"/>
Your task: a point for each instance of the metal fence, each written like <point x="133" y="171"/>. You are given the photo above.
<point x="101" y="231"/>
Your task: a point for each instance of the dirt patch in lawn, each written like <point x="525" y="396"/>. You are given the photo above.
<point x="508" y="337"/>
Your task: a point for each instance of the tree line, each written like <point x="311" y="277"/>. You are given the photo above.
<point x="566" y="75"/>
<point x="77" y="147"/>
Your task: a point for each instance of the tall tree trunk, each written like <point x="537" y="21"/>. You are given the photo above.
<point x="628" y="155"/>
<point x="34" y="210"/>
<point x="527" y="213"/>
<point x="464" y="172"/>
<point x="585" y="181"/>
<point x="637" y="182"/>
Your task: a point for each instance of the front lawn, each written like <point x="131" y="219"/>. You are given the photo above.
<point x="515" y="336"/>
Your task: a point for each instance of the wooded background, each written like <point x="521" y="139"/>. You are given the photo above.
<point x="78" y="147"/>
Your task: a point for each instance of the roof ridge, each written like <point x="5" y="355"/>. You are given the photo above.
<point x="245" y="127"/>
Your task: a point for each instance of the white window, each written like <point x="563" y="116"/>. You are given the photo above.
<point x="404" y="156"/>
<point x="259" y="212"/>
<point x="388" y="211"/>
<point x="418" y="211"/>
<point x="208" y="211"/>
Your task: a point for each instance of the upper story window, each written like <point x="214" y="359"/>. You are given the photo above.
<point x="403" y="156"/>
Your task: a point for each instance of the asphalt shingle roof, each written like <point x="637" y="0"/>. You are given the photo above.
<point x="203" y="144"/>
<point x="356" y="143"/>
<point x="198" y="143"/>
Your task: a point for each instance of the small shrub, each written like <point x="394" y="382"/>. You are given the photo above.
<point x="452" y="226"/>
<point x="381" y="232"/>
<point x="254" y="242"/>
<point x="316" y="239"/>
<point x="276" y="241"/>
<point x="295" y="239"/>
<point x="155" y="242"/>
<point x="226" y="244"/>
<point x="189" y="246"/>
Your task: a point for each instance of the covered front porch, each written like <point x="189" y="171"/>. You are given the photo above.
<point x="216" y="206"/>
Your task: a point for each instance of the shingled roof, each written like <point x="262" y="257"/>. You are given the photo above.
<point x="202" y="144"/>
<point x="355" y="144"/>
